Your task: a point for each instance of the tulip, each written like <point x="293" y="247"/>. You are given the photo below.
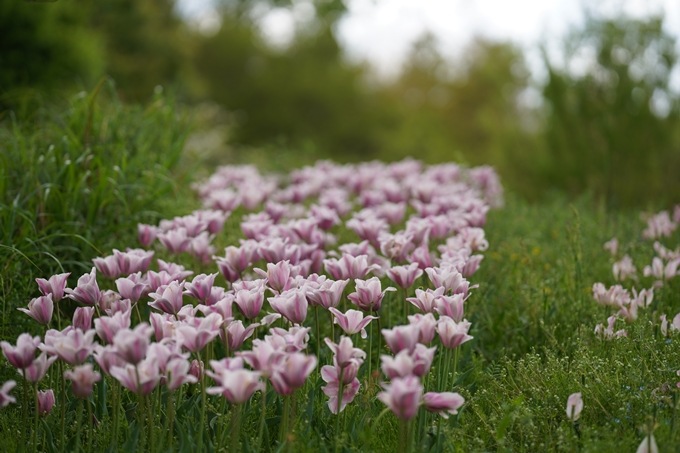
<point x="178" y="373"/>
<point x="292" y="340"/>
<point x="22" y="355"/>
<point x="37" y="370"/>
<point x="278" y="275"/>
<point x="146" y="234"/>
<point x="330" y="375"/>
<point x="107" y="266"/>
<point x="351" y="322"/>
<point x="448" y="278"/>
<point x="344" y="352"/>
<point x="5" y="397"/>
<point x="106" y="357"/>
<point x="71" y="345"/>
<point x="368" y="295"/>
<point x="133" y="287"/>
<point x="237" y="334"/>
<point x="263" y="357"/>
<point x="291" y="304"/>
<point x="291" y="374"/>
<point x="54" y="286"/>
<point x="612" y="246"/>
<point x="404" y="276"/>
<point x="444" y="403"/>
<point x="401" y="337"/>
<point x="45" y="402"/>
<point x="574" y="406"/>
<point x="176" y="241"/>
<point x="177" y="271"/>
<point x="250" y="302"/>
<point x="427" y="325"/>
<point x="201" y="286"/>
<point x="451" y="306"/>
<point x="648" y="445"/>
<point x="196" y="334"/>
<point x="82" y="378"/>
<point x="108" y="326"/>
<point x="141" y="379"/>
<point x="426" y="300"/>
<point x="40" y="309"/>
<point x="451" y="333"/>
<point x="87" y="291"/>
<point x="133" y="261"/>
<point x="196" y="369"/>
<point x="82" y="318"/>
<point x="402" y="396"/>
<point x="237" y="386"/>
<point x="327" y="293"/>
<point x="131" y="345"/>
<point x="168" y="298"/>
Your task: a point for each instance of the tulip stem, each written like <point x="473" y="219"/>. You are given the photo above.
<point x="63" y="405"/>
<point x="115" y="409"/>
<point x="410" y="426"/>
<point x="318" y="337"/>
<point x="90" y="427"/>
<point x="35" y="421"/>
<point x="402" y="436"/>
<point x="24" y="409"/>
<point x="455" y="366"/>
<point x="405" y="303"/>
<point x="370" y="350"/>
<point x="235" y="427"/>
<point x="263" y="411"/>
<point x="150" y="421"/>
<point x="440" y="373"/>
<point x="201" y="425"/>
<point x="79" y="422"/>
<point x="337" y="414"/>
<point x="284" y="421"/>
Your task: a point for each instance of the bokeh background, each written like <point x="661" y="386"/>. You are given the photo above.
<point x="560" y="97"/>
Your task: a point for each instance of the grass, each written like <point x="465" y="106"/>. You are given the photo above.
<point x="75" y="183"/>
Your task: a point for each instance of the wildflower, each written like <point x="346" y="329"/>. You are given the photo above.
<point x="574" y="406"/>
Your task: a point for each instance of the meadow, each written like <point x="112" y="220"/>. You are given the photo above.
<point x="511" y="320"/>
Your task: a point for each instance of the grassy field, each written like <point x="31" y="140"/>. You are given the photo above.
<point x="76" y="180"/>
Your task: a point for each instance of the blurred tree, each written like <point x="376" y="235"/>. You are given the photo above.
<point x="46" y="45"/>
<point x="612" y="123"/>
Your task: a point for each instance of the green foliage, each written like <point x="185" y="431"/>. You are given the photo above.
<point x="76" y="179"/>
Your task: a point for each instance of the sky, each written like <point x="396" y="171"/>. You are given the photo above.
<point x="383" y="31"/>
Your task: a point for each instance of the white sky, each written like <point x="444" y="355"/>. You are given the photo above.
<point x="382" y="31"/>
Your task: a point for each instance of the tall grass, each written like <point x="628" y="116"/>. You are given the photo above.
<point x="76" y="177"/>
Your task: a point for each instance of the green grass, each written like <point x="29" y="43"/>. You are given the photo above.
<point x="76" y="178"/>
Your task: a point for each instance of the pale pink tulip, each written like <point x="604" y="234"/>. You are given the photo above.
<point x="37" y="370"/>
<point x="82" y="379"/>
<point x="108" y="326"/>
<point x="291" y="374"/>
<point x="326" y="293"/>
<point x="133" y="287"/>
<point x="178" y="373"/>
<point x="140" y="379"/>
<point x="426" y="300"/>
<point x="87" y="291"/>
<point x="196" y="335"/>
<point x="71" y="345"/>
<point x="250" y="302"/>
<point x="451" y="306"/>
<point x="82" y="318"/>
<point x="368" y="295"/>
<point x="451" y="333"/>
<point x="291" y="304"/>
<point x="146" y="234"/>
<point x="330" y="375"/>
<point x="292" y="340"/>
<point x="404" y="276"/>
<point x="168" y="299"/>
<point x="263" y="357"/>
<point x="106" y="357"/>
<point x="444" y="403"/>
<point x="402" y="337"/>
<point x="648" y="445"/>
<point x="5" y="397"/>
<point x="45" y="402"/>
<point x="201" y="287"/>
<point x="351" y="322"/>
<point x="402" y="396"/>
<point x="237" y="386"/>
<point x="237" y="334"/>
<point x="107" y="266"/>
<point x="54" y="286"/>
<point x="131" y="345"/>
<point x="427" y="325"/>
<point x="40" y="309"/>
<point x="345" y="352"/>
<point x="448" y="278"/>
<point x="22" y="355"/>
<point x="574" y="406"/>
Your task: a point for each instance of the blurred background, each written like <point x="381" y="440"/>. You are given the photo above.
<point x="558" y="96"/>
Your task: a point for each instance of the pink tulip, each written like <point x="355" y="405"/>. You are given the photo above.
<point x="40" y="309"/>
<point x="404" y="276"/>
<point x="648" y="445"/>
<point x="71" y="345"/>
<point x="108" y="326"/>
<point x="574" y="406"/>
<point x="421" y="256"/>
<point x="292" y="340"/>
<point x="133" y="261"/>
<point x="451" y="333"/>
<point x="131" y="345"/>
<point x="402" y="396"/>
<point x="291" y="374"/>
<point x="326" y="293"/>
<point x="402" y="337"/>
<point x="106" y="357"/>
<point x="237" y="334"/>
<point x="107" y="266"/>
<point x="37" y="370"/>
<point x="178" y="373"/>
<point x="426" y="300"/>
<point x="45" y="402"/>
<point x="177" y="271"/>
<point x="87" y="291"/>
<point x="22" y="355"/>
<point x="5" y="397"/>
<point x="426" y="324"/>
<point x="237" y="386"/>
<point x="82" y="378"/>
<point x="157" y="279"/>
<point x="396" y="246"/>
<point x="201" y="286"/>
<point x="54" y="286"/>
<point x="444" y="403"/>
<point x="141" y="379"/>
<point x="194" y="336"/>
<point x="612" y="246"/>
<point x="448" y="278"/>
<point x="176" y="241"/>
<point x="368" y="229"/>
<point x="196" y="369"/>
<point x="291" y="304"/>
<point x="330" y="375"/>
<point x="112" y="303"/>
<point x="168" y="299"/>
<point x="352" y="322"/>
<point x="278" y="275"/>
<point x="368" y="295"/>
<point x="250" y="302"/>
<point x="201" y="247"/>
<point x="451" y="306"/>
<point x="146" y="234"/>
<point x="133" y="287"/>
<point x="82" y="318"/>
<point x="345" y="352"/>
<point x="263" y="357"/>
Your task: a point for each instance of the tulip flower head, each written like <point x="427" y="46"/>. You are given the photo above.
<point x="82" y="378"/>
<point x="5" y="397"/>
<point x="351" y="322"/>
<point x="402" y="396"/>
<point x="443" y="403"/>
<point x="55" y="286"/>
<point x="574" y="406"/>
<point x="22" y="355"/>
